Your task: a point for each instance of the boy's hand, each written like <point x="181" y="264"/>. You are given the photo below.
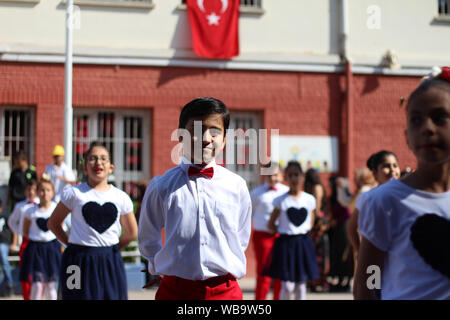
<point x="155" y="281"/>
<point x="272" y="227"/>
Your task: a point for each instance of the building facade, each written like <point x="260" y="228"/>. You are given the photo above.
<point x="328" y="70"/>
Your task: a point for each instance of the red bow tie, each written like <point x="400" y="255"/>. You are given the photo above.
<point x="273" y="188"/>
<point x="207" y="172"/>
<point x="31" y="202"/>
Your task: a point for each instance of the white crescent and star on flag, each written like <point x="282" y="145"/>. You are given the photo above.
<point x="213" y="18"/>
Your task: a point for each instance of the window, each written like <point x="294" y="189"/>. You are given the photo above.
<point x="444" y="7"/>
<point x="243" y="162"/>
<point x="125" y="134"/>
<point x="16" y="126"/>
<point x="256" y="4"/>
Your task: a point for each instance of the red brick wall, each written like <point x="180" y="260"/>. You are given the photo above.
<point x="294" y="102"/>
<point x="379" y="120"/>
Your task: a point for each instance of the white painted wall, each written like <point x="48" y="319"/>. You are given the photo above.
<point x="298" y="31"/>
<point x="407" y="27"/>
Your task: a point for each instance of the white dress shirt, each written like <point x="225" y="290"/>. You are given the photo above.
<point x="207" y="223"/>
<point x="262" y="204"/>
<point x="15" y="220"/>
<point x="64" y="171"/>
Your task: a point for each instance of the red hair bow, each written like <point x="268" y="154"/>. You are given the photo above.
<point x="445" y="73"/>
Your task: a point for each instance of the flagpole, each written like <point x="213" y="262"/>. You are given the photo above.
<point x="68" y="111"/>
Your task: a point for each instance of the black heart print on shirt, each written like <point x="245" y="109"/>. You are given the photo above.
<point x="99" y="217"/>
<point x="42" y="224"/>
<point x="297" y="216"/>
<point x="430" y="236"/>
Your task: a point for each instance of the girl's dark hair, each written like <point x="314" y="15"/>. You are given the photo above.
<point x="312" y="179"/>
<point x="201" y="107"/>
<point x="436" y="81"/>
<point x="377" y="158"/>
<point x="92" y="146"/>
<point x="294" y="164"/>
<point x="32" y="182"/>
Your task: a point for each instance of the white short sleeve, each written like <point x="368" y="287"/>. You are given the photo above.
<point x="375" y="223"/>
<point x="277" y="202"/>
<point x="28" y="213"/>
<point x="126" y="205"/>
<point x="68" y="197"/>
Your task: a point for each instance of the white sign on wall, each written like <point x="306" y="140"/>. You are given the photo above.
<point x="5" y="170"/>
<point x="319" y="152"/>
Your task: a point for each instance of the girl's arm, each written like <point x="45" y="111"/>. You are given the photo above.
<point x="14" y="246"/>
<point x="273" y="217"/>
<point x="352" y="230"/>
<point x="130" y="229"/>
<point x="55" y="223"/>
<point x="369" y="255"/>
<point x="318" y="194"/>
<point x="26" y="227"/>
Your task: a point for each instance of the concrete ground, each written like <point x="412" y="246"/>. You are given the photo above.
<point x="247" y="285"/>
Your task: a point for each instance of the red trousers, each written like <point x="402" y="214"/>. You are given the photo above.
<point x="217" y="288"/>
<point x="263" y="243"/>
<point x="26" y="286"/>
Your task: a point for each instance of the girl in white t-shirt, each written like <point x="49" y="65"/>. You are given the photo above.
<point x="92" y="267"/>
<point x="404" y="223"/>
<point x="41" y="259"/>
<point x="384" y="166"/>
<point x="15" y="223"/>
<point x="294" y="259"/>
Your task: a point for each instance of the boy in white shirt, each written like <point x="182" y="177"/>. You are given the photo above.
<point x="263" y="238"/>
<point x="205" y="210"/>
<point x="59" y="173"/>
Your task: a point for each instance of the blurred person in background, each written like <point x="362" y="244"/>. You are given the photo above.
<point x="319" y="234"/>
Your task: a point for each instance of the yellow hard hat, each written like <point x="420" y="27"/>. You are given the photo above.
<point x="58" y="150"/>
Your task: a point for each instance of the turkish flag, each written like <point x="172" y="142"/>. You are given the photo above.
<point x="214" y="26"/>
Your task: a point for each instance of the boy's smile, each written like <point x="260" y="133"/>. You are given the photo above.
<point x="207" y="138"/>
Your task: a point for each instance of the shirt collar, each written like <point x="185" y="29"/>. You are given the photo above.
<point x="186" y="163"/>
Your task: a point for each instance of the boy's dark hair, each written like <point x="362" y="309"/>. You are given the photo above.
<point x="294" y="164"/>
<point x="201" y="107"/>
<point x="377" y="158"/>
<point x="20" y="155"/>
<point x="271" y="164"/>
<point x="32" y="182"/>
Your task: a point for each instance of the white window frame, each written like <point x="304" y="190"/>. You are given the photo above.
<point x="119" y="175"/>
<point x="251" y="175"/>
<point x="31" y="129"/>
<point x="444" y="7"/>
<point x="443" y="15"/>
